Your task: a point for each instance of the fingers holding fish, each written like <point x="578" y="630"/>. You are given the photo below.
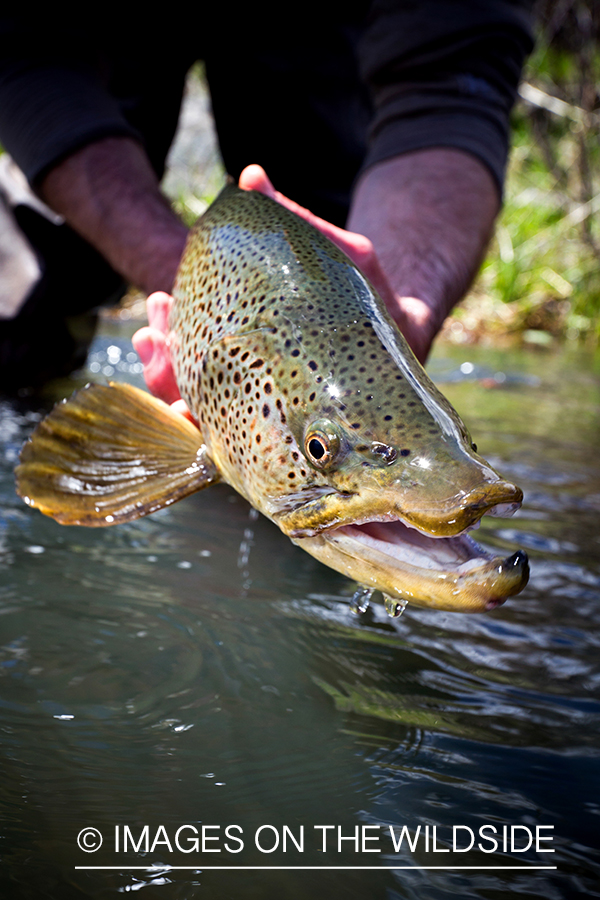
<point x="152" y="349"/>
<point x="254" y="178"/>
<point x="158" y="307"/>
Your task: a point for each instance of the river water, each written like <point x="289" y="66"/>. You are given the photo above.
<point x="196" y="669"/>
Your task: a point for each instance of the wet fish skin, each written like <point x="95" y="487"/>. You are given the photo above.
<point x="310" y="404"/>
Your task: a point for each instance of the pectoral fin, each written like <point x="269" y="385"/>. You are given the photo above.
<point x="110" y="454"/>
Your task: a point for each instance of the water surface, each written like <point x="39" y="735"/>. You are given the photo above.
<point x="195" y="668"/>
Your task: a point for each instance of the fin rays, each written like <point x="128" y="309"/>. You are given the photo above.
<point x="112" y="453"/>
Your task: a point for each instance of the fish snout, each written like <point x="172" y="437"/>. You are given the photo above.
<point x="454" y="515"/>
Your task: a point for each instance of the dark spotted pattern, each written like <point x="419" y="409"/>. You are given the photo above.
<point x="274" y="328"/>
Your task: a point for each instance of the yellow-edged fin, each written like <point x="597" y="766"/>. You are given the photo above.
<point x="110" y="454"/>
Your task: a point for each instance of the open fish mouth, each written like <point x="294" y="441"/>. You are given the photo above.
<point x="450" y="573"/>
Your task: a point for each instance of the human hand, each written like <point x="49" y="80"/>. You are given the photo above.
<point x="151" y="342"/>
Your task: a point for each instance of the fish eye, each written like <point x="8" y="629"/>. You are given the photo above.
<point x="321" y="444"/>
<point x="473" y="446"/>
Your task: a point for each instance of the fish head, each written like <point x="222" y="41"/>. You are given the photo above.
<point x="379" y="463"/>
<point x="389" y="447"/>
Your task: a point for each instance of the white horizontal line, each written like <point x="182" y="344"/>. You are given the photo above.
<point x="167" y="868"/>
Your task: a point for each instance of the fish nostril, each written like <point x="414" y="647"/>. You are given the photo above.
<point x="385" y="452"/>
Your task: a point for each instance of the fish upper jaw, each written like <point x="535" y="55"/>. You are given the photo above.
<point x="439" y="519"/>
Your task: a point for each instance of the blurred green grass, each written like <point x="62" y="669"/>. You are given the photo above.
<point x="541" y="276"/>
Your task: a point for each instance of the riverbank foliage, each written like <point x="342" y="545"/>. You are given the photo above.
<point x="541" y="278"/>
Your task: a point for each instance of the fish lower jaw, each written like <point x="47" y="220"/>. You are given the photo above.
<point x="444" y="573"/>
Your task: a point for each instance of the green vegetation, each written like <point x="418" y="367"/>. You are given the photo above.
<point x="542" y="273"/>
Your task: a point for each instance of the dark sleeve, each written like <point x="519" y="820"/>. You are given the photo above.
<point x="444" y="73"/>
<point x="64" y="85"/>
<point x="53" y="92"/>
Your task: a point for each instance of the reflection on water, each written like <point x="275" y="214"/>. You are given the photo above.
<point x="195" y="668"/>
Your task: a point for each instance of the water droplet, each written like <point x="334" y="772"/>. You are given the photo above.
<point x="360" y="601"/>
<point x="395" y="608"/>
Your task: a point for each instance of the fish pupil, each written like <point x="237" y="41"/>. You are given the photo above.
<point x="316" y="449"/>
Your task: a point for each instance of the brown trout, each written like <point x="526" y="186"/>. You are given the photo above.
<point x="309" y="403"/>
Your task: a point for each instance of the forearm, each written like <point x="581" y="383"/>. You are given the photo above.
<point x="109" y="194"/>
<point x="429" y="215"/>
